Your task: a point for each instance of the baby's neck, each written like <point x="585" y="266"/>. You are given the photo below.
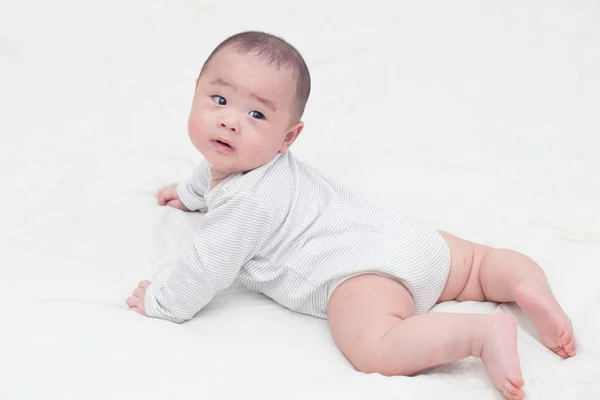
<point x="216" y="177"/>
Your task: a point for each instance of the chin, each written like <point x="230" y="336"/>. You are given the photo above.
<point x="220" y="165"/>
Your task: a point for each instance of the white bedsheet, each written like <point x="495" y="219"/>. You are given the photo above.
<point x="483" y="116"/>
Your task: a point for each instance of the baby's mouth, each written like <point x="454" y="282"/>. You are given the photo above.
<point x="226" y="147"/>
<point x="225" y="144"/>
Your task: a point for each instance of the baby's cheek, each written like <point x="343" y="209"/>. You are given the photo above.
<point x="197" y="128"/>
<point x="262" y="151"/>
<point x="195" y="124"/>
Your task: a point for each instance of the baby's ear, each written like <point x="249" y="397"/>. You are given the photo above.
<point x="291" y="136"/>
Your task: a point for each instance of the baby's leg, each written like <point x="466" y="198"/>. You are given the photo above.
<point x="373" y="323"/>
<point x="483" y="273"/>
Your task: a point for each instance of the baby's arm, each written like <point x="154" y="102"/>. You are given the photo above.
<point x="189" y="195"/>
<point x="229" y="236"/>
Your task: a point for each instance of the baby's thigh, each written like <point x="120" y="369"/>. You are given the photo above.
<point x="466" y="259"/>
<point x="361" y="309"/>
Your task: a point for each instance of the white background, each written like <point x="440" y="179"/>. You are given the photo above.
<point x="481" y="118"/>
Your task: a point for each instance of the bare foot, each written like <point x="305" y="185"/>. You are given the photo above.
<point x="499" y="355"/>
<point x="554" y="326"/>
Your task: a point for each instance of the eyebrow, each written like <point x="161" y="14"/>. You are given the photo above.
<point x="266" y="102"/>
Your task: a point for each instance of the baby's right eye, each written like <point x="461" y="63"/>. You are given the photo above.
<point x="220" y="100"/>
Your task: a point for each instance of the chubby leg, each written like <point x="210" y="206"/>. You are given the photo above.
<point x="483" y="273"/>
<point x="373" y="323"/>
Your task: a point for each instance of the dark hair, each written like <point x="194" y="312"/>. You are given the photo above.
<point x="275" y="51"/>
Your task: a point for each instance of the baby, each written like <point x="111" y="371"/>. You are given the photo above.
<point x="320" y="248"/>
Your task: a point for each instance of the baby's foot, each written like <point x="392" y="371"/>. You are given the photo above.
<point x="554" y="326"/>
<point x="499" y="355"/>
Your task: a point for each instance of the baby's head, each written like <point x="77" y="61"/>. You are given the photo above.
<point x="249" y="101"/>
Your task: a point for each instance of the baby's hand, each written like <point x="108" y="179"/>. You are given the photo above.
<point x="136" y="301"/>
<point x="167" y="196"/>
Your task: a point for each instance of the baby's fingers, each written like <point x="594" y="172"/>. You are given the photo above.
<point x="162" y="198"/>
<point x="176" y="203"/>
<point x="139" y="293"/>
<point x="144" y="284"/>
<point x="133" y="302"/>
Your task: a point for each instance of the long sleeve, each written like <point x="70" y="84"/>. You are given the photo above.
<point x="229" y="236"/>
<point x="191" y="192"/>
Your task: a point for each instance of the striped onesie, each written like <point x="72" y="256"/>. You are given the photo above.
<point x="292" y="233"/>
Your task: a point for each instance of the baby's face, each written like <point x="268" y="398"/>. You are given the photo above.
<point x="242" y="113"/>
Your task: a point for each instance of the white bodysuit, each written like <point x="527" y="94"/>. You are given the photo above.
<point x="292" y="233"/>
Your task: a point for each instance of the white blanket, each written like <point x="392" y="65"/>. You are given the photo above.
<point x="479" y="117"/>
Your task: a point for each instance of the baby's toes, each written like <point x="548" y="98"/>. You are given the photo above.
<point x="511" y="395"/>
<point x="561" y="352"/>
<point x="570" y="348"/>
<point x="516" y="381"/>
<point x="568" y="342"/>
<point x="512" y="390"/>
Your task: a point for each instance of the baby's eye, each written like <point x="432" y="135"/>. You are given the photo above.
<point x="220" y="100"/>
<point x="256" y="114"/>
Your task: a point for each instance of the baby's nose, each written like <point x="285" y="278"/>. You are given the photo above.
<point x="230" y="122"/>
<point x="230" y="125"/>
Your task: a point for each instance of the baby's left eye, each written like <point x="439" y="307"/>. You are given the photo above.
<point x="256" y="114"/>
